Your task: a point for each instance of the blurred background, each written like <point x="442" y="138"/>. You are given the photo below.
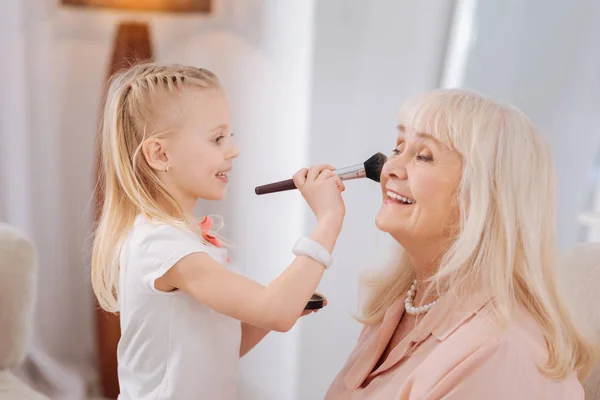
<point x="309" y="82"/>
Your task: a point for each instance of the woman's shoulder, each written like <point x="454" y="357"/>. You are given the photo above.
<point x="503" y="354"/>
<point x="476" y="336"/>
<point x="517" y="347"/>
<point x="519" y="334"/>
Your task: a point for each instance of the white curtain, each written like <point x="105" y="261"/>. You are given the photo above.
<point x="37" y="197"/>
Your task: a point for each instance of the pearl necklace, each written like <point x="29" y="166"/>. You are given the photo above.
<point x="408" y="303"/>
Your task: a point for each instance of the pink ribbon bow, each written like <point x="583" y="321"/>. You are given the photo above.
<point x="205" y="226"/>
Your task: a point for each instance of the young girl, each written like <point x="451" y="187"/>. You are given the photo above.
<point x="185" y="318"/>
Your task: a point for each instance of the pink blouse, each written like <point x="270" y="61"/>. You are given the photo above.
<point x="452" y="356"/>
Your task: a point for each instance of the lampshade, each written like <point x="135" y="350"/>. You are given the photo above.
<point x="199" y="6"/>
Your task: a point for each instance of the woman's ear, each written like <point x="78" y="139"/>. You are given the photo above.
<point x="155" y="154"/>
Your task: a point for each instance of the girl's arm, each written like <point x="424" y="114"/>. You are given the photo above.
<point x="274" y="307"/>
<point x="251" y="336"/>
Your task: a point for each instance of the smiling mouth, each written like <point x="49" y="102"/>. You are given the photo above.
<point x="399" y="198"/>
<point x="222" y="176"/>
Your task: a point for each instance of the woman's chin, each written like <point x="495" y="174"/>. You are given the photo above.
<point x="383" y="223"/>
<point x="390" y="226"/>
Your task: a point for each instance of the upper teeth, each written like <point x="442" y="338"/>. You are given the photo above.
<point x="222" y="174"/>
<point x="400" y="198"/>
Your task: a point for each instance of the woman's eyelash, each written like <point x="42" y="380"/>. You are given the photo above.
<point x="419" y="157"/>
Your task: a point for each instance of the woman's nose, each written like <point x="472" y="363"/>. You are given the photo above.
<point x="394" y="168"/>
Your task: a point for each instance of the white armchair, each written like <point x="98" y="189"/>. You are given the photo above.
<point x="17" y="287"/>
<point x="580" y="276"/>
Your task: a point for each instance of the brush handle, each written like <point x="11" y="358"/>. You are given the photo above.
<point x="280" y="186"/>
<point x="347" y="173"/>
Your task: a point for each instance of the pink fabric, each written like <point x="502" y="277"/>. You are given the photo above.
<point x="205" y="226"/>
<point x="452" y="355"/>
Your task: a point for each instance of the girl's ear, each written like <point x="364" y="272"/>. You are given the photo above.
<point x="155" y="154"/>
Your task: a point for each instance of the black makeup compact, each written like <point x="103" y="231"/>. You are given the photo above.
<point x="316" y="302"/>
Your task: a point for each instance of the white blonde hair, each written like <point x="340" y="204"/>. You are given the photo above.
<point x="506" y="243"/>
<point x="129" y="185"/>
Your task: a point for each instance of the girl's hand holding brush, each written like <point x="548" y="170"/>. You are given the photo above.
<point x="322" y="188"/>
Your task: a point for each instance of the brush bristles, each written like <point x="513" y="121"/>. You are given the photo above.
<point x="374" y="165"/>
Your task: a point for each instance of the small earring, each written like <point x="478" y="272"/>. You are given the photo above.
<point x="166" y="168"/>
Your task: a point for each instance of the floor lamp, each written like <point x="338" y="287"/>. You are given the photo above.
<point x="132" y="43"/>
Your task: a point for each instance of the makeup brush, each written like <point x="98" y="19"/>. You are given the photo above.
<point x="369" y="169"/>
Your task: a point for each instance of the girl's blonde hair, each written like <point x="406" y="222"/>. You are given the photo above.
<point x="130" y="185"/>
<point x="506" y="245"/>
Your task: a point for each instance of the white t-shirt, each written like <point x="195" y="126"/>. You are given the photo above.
<point x="171" y="347"/>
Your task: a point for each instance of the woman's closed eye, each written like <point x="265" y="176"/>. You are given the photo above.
<point x="424" y="157"/>
<point x="399" y="149"/>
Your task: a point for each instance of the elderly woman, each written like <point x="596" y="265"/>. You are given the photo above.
<point x="471" y="310"/>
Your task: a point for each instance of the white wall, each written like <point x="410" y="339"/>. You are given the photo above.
<point x="13" y="117"/>
<point x="272" y="102"/>
<point x="541" y="55"/>
<point x="33" y="191"/>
